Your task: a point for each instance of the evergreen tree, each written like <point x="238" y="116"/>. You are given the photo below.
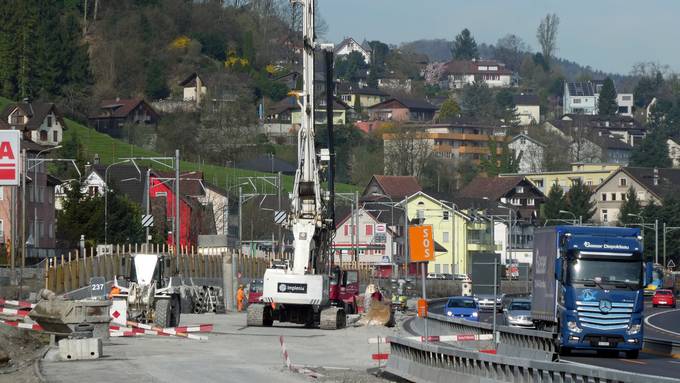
<point x="652" y="151"/>
<point x="357" y="105"/>
<point x="464" y="46"/>
<point x="554" y="203"/>
<point x="630" y="206"/>
<point x="506" y="108"/>
<point x="578" y="200"/>
<point x="477" y="101"/>
<point x="156" y="84"/>
<point x="606" y="104"/>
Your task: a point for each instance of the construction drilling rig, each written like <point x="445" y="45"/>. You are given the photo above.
<point x="302" y="293"/>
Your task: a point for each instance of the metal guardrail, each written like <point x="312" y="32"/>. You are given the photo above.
<point x="661" y="347"/>
<point x="427" y="362"/>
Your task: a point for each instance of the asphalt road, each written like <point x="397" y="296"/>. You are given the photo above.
<point x="660" y="323"/>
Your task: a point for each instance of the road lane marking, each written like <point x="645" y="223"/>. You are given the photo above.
<point x="659" y="328"/>
<point x="674" y="362"/>
<point x="633" y="361"/>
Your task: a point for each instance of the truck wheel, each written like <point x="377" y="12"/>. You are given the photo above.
<point x="176" y="310"/>
<point x="163" y="313"/>
<point x="632" y="354"/>
<point x="259" y="315"/>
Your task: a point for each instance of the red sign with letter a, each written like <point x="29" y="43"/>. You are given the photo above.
<point x="10" y="157"/>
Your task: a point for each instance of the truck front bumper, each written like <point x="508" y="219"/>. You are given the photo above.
<point x="600" y="341"/>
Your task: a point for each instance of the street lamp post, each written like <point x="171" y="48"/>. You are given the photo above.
<point x="579" y="220"/>
<point x="667" y="229"/>
<point x="656" y="234"/>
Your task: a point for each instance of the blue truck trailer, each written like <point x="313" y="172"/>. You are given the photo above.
<point x="588" y="286"/>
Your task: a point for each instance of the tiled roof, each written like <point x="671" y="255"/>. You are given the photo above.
<point x="667" y="180"/>
<point x="463" y="67"/>
<point x="526" y="99"/>
<point x="491" y="187"/>
<point x="409" y="103"/>
<point x="120" y="108"/>
<point x="397" y="187"/>
<point x="126" y="179"/>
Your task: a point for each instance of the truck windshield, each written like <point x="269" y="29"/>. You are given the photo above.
<point x="621" y="274"/>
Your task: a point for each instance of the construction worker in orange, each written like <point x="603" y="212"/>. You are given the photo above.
<point x="240" y="297"/>
<point x="114" y="291"/>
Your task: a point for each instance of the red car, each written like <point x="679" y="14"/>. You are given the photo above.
<point x="663" y="298"/>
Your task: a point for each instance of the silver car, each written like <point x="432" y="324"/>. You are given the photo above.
<point x="518" y="313"/>
<point x="486" y="302"/>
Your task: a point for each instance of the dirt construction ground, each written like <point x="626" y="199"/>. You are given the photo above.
<point x="233" y="353"/>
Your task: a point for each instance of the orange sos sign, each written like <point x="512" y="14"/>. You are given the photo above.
<point x="421" y="243"/>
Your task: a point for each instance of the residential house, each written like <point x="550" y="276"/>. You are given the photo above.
<point x="217" y="199"/>
<point x="362" y="97"/>
<point x="366" y="238"/>
<point x="674" y="151"/>
<point x="113" y="115"/>
<point x="402" y="109"/>
<point x="520" y="203"/>
<point x="283" y="119"/>
<point x="590" y="143"/>
<point x="528" y="108"/>
<point x="396" y="188"/>
<point x="590" y="174"/>
<point x="40" y="211"/>
<point x="458" y="73"/>
<point x="458" y="139"/>
<point x="449" y="230"/>
<point x="529" y="151"/>
<point x="349" y="45"/>
<point x="624" y="128"/>
<point x="581" y="97"/>
<point x="194" y="88"/>
<point x="40" y="122"/>
<point x="400" y="85"/>
<point x="651" y="185"/>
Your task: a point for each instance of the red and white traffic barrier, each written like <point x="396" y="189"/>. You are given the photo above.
<point x="21" y="313"/>
<point x="21" y="304"/>
<point x="437" y="338"/>
<point x="29" y="326"/>
<point x="198" y="328"/>
<point x="125" y="334"/>
<point x="166" y="331"/>
<point x="141" y="331"/>
<point x="284" y="353"/>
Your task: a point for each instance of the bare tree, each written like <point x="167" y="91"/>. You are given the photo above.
<point x="547" y="35"/>
<point x="407" y="150"/>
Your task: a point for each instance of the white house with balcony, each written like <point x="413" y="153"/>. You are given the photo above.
<point x="458" y="73"/>
<point x="349" y="45"/>
<point x="581" y="97"/>
<point x="40" y="122"/>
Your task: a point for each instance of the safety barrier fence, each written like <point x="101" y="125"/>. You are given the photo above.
<point x="428" y="362"/>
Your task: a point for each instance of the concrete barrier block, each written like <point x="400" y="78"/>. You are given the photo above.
<point x="80" y="349"/>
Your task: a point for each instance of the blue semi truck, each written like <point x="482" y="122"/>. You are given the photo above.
<point x="588" y="286"/>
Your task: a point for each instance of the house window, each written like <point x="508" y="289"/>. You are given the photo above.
<point x="369" y="229"/>
<point x="445" y="236"/>
<point x="613" y="196"/>
<point x="641" y="195"/>
<point x="43" y="135"/>
<point x="623" y="196"/>
<point x="2" y="229"/>
<point x="623" y="181"/>
<point x="604" y="196"/>
<point x="538" y="183"/>
<point x="530" y="202"/>
<point x="519" y="189"/>
<point x="93" y="190"/>
<point x="55" y="136"/>
<point x="346" y="230"/>
<point x="626" y="98"/>
<point x="446" y="216"/>
<point x="49" y="121"/>
<point x="605" y="216"/>
<point x="577" y="101"/>
<point x="161" y="194"/>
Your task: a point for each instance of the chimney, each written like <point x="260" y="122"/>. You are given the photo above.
<point x="656" y="177"/>
<point x="95" y="160"/>
<point x="88" y="166"/>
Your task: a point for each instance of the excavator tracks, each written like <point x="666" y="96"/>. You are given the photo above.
<point x="333" y="318"/>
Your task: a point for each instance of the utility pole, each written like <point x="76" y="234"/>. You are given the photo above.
<point x="177" y="197"/>
<point x="146" y="198"/>
<point x="656" y="241"/>
<point x="24" y="163"/>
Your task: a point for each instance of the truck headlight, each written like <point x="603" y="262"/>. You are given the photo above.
<point x="511" y="318"/>
<point x="634" y="329"/>
<point x="475" y="314"/>
<point x="573" y="327"/>
<point x="449" y="313"/>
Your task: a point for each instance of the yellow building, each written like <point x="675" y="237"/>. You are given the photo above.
<point x="367" y="97"/>
<point x="591" y="174"/>
<point x="449" y="229"/>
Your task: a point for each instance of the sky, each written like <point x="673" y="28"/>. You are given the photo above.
<point x="609" y="35"/>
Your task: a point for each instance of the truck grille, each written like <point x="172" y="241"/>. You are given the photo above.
<point x="591" y="316"/>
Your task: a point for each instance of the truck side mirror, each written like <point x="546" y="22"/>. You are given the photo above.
<point x="558" y="269"/>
